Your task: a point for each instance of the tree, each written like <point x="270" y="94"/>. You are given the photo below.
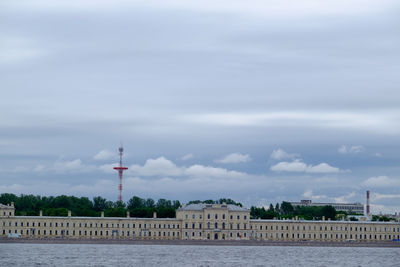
<point x="163" y="203"/>
<point x="271" y="207"/>
<point x="277" y="209"/>
<point x="136" y="203"/>
<point x="176" y="204"/>
<point x="150" y="203"/>
<point x="328" y="212"/>
<point x="287" y="208"/>
<point x="100" y="204"/>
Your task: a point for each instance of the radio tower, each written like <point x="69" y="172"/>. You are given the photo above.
<point x="120" y="170"/>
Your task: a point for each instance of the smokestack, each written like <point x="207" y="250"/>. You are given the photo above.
<point x="367" y="208"/>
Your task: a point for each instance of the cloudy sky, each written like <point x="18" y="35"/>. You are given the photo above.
<point x="259" y="101"/>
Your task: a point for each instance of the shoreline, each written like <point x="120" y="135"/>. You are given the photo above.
<point x="386" y="244"/>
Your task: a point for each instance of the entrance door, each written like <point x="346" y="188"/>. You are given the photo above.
<point x="216" y="237"/>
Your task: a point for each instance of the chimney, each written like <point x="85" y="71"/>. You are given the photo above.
<point x="154" y="214"/>
<point x="69" y="213"/>
<point x="128" y="214"/>
<point x="297" y="218"/>
<point x="323" y="218"/>
<point x="367" y="208"/>
<point x="12" y="204"/>
<point x="102" y="214"/>
<point x="40" y="213"/>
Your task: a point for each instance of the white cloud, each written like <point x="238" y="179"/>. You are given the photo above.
<point x="18" y="49"/>
<point x="39" y="168"/>
<point x="164" y="168"/>
<point x="234" y="158"/>
<point x="308" y="194"/>
<point x="299" y="166"/>
<point x="345" y="198"/>
<point x="72" y="166"/>
<point x="280" y="154"/>
<point x="271" y="8"/>
<point x="386" y="122"/>
<point x="322" y="168"/>
<point x="378" y="196"/>
<point x="351" y="150"/>
<point x="294" y="166"/>
<point x="207" y="171"/>
<point x="381" y="181"/>
<point x="108" y="168"/>
<point x="158" y="166"/>
<point x="105" y="155"/>
<point x="187" y="156"/>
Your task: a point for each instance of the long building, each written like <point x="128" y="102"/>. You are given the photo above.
<point x="357" y="208"/>
<point x="195" y="221"/>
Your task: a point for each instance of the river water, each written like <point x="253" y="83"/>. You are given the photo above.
<point x="20" y="254"/>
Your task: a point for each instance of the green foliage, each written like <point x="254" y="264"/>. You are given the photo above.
<point x="286" y="210"/>
<point x="30" y="205"/>
<point x="380" y="218"/>
<point x="261" y="213"/>
<point x="220" y="201"/>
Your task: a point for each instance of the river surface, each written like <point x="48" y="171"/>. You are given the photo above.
<point x="20" y="254"/>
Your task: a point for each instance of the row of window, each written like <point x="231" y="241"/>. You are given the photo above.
<point x="91" y="233"/>
<point x="223" y="226"/>
<point x="331" y="228"/>
<point x="5" y="213"/>
<point x="215" y="216"/>
<point x="90" y="225"/>
<point x="330" y="236"/>
<point x="200" y="234"/>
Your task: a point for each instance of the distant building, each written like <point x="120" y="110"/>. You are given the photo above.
<point x="347" y="207"/>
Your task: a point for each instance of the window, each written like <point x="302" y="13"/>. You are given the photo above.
<point x="238" y="217"/>
<point x="208" y="216"/>
<point x="216" y="216"/>
<point x="193" y="216"/>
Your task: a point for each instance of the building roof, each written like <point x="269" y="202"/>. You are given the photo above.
<point x="201" y="207"/>
<point x="2" y="206"/>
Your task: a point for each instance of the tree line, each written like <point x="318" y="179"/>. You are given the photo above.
<point x="30" y="205"/>
<point x="287" y="211"/>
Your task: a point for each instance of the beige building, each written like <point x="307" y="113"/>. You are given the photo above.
<point x="195" y="221"/>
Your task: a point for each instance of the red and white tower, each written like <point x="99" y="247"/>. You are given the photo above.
<point x="120" y="170"/>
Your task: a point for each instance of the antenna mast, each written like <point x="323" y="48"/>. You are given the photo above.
<point x="120" y="170"/>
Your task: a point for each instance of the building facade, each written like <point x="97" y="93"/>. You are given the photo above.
<point x="347" y="207"/>
<point x="193" y="222"/>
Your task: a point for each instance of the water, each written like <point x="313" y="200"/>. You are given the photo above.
<point x="160" y="255"/>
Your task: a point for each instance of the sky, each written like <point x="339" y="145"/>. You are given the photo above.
<point x="258" y="101"/>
